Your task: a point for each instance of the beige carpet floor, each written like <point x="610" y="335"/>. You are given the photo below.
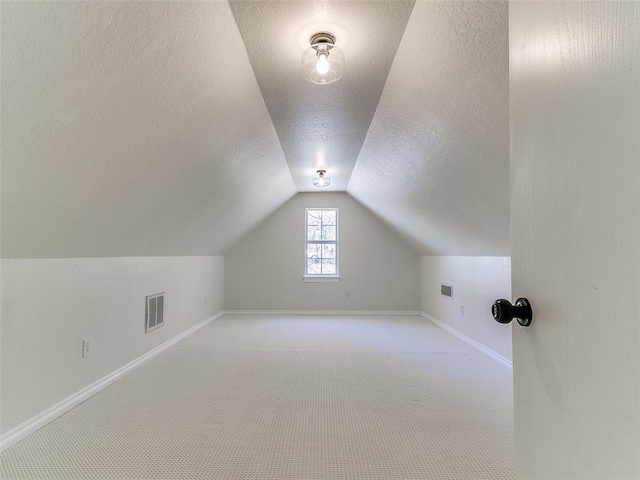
<point x="290" y="397"/>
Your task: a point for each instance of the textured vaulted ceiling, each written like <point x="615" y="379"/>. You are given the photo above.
<point x="131" y="129"/>
<point x="435" y="163"/>
<point x="173" y="128"/>
<point x="321" y="126"/>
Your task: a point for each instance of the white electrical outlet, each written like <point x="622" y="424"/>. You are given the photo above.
<point x="347" y="294"/>
<point x="205" y="300"/>
<point x="86" y="347"/>
<point x="462" y="310"/>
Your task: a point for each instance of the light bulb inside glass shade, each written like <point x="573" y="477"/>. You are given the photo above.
<point x="313" y="64"/>
<point x="322" y="67"/>
<point x="321" y="180"/>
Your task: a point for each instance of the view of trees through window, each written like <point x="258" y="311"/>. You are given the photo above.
<point x="322" y="241"/>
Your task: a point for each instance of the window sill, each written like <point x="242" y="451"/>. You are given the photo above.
<point x="321" y="278"/>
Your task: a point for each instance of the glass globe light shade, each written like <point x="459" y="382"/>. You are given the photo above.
<point x="323" y="61"/>
<point x="321" y="180"/>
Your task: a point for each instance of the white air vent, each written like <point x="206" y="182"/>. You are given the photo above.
<point x="155" y="311"/>
<point x="446" y="290"/>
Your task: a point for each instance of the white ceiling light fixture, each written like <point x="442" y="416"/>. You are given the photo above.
<point x="322" y="62"/>
<point x="321" y="180"/>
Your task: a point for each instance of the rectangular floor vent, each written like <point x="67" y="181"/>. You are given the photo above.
<point x="446" y="290"/>
<point x="155" y="311"/>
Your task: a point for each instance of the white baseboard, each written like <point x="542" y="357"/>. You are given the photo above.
<point x="505" y="362"/>
<point x="321" y="312"/>
<point x="34" y="423"/>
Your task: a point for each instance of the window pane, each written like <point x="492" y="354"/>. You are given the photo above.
<point x="314" y="250"/>
<point x="329" y="267"/>
<point x="328" y="233"/>
<point x="313" y="266"/>
<point x="314" y="217"/>
<point x="321" y="245"/>
<point x="314" y="233"/>
<point x="328" y="217"/>
<point x="329" y="251"/>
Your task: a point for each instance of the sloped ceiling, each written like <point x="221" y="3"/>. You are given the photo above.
<point x="435" y="163"/>
<point x="173" y="128"/>
<point x="132" y="129"/>
<point x="321" y="127"/>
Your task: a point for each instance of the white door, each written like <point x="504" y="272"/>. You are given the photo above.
<point x="575" y="220"/>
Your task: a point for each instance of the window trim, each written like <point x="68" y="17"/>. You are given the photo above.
<point x="321" y="277"/>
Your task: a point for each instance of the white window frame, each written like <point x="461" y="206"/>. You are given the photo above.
<point x="333" y="277"/>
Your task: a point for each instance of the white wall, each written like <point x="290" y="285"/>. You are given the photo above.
<point x="50" y="305"/>
<point x="264" y="271"/>
<point x="477" y="282"/>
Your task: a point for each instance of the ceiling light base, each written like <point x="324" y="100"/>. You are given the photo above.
<point x="323" y="38"/>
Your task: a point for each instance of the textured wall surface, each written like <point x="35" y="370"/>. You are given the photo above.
<point x="379" y="269"/>
<point x="131" y="129"/>
<point x="435" y="163"/>
<point x="575" y="166"/>
<point x="50" y="305"/>
<point x="477" y="282"/>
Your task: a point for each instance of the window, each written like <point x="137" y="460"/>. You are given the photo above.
<point x="321" y="243"/>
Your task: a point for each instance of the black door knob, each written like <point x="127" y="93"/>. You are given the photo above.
<point x="504" y="312"/>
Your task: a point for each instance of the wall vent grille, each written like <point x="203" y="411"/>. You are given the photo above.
<point x="446" y="290"/>
<point x="155" y="311"/>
